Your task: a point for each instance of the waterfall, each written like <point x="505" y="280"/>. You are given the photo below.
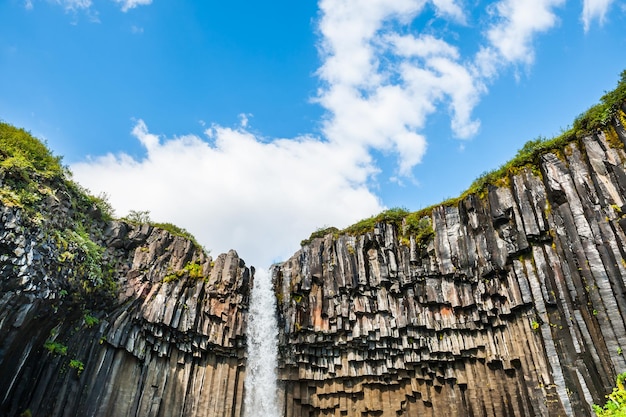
<point x="260" y="385"/>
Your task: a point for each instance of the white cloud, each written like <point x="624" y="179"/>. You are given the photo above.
<point x="517" y="22"/>
<point x="380" y="84"/>
<point x="450" y="8"/>
<point x="244" y="119"/>
<point x="238" y="192"/>
<point x="131" y="4"/>
<point x="380" y="81"/>
<point x="594" y="10"/>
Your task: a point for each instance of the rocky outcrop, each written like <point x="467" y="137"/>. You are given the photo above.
<point x="514" y="306"/>
<point x="168" y="338"/>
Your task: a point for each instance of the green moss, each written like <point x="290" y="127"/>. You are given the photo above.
<point x="143" y="217"/>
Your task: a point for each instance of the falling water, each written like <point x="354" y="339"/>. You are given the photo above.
<point x="260" y="385"/>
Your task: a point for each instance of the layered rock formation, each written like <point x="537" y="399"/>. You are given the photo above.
<point x="166" y="338"/>
<point x="514" y="306"/>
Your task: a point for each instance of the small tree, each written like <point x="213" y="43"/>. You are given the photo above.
<point x="138" y="216"/>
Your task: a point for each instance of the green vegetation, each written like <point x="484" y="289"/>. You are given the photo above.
<point x="320" y="233"/>
<point x="78" y="365"/>
<point x="421" y="228"/>
<point x="616" y="401"/>
<point x="24" y="156"/>
<point x="55" y="348"/>
<point x="138" y="217"/>
<point x="90" y="320"/>
<point x="83" y="259"/>
<point x="179" y="231"/>
<point x="598" y="117"/>
<point x="143" y="217"/>
<point x="191" y="269"/>
<point x="414" y="224"/>
<point x="72" y="220"/>
<point x="393" y="216"/>
<point x="26" y="165"/>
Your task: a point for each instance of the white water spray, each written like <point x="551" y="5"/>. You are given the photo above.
<point x="260" y="385"/>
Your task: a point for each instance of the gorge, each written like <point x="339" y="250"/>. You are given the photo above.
<point x="508" y="301"/>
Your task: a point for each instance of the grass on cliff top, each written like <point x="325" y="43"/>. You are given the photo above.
<point x="597" y="117"/>
<point x="143" y="217"/>
<point x="24" y="154"/>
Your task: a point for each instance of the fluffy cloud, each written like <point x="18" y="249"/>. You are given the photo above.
<point x="234" y="191"/>
<point x="517" y="22"/>
<point x="380" y="80"/>
<point x="381" y="105"/>
<point x="594" y="10"/>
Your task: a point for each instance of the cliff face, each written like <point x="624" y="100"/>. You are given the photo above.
<point x="514" y="306"/>
<point x="107" y="318"/>
<point x="510" y="302"/>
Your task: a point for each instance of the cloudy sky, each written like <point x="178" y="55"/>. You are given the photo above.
<point x="252" y="124"/>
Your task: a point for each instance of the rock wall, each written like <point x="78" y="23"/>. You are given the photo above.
<point x="169" y="342"/>
<point x="509" y="303"/>
<point x="515" y="307"/>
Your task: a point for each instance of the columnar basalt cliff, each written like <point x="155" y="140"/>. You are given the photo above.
<point x="509" y="301"/>
<point x="110" y="318"/>
<point x="512" y="305"/>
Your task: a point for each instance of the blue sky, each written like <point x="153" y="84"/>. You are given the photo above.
<point x="251" y="124"/>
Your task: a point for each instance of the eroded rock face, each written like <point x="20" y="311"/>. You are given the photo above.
<point x="169" y="342"/>
<point x="516" y="307"/>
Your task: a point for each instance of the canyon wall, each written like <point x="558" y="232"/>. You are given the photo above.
<point x="512" y="305"/>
